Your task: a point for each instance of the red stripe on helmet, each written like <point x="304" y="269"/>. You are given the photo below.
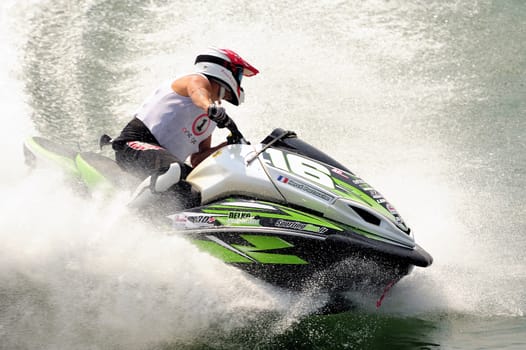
<point x="248" y="69"/>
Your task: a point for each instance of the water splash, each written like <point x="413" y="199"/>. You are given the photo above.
<point x="78" y="273"/>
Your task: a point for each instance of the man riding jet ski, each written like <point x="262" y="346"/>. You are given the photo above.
<point x="279" y="209"/>
<point x="177" y="121"/>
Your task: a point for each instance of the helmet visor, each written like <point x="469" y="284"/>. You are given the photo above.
<point x="237" y="72"/>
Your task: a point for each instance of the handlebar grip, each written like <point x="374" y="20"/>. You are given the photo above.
<point x="235" y="136"/>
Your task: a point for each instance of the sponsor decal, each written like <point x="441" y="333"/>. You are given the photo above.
<point x="375" y="194"/>
<point x="391" y="209"/>
<point x="242" y="222"/>
<point x="193" y="220"/>
<point x="301" y="226"/>
<point x="241" y="218"/>
<point x="200" y="124"/>
<point x="179" y="219"/>
<point x="340" y="172"/>
<point x="202" y="219"/>
<point x="294" y="225"/>
<point x="239" y="215"/>
<point x="189" y="135"/>
<point x="306" y="188"/>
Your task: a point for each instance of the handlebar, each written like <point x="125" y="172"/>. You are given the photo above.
<point x="235" y="136"/>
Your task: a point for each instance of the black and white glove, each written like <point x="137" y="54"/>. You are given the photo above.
<point x="218" y="115"/>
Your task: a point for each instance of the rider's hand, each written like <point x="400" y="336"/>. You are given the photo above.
<point x="231" y="140"/>
<point x="218" y="115"/>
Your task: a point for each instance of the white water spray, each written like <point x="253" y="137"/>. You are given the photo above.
<point x="82" y="273"/>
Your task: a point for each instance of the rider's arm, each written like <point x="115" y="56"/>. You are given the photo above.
<point x="205" y="150"/>
<point x="200" y="91"/>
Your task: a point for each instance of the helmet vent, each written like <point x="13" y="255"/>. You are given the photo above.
<point x="366" y="216"/>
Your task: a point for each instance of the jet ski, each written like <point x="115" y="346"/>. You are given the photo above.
<point x="280" y="210"/>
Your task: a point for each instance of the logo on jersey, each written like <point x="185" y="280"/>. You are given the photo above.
<point x="200" y="125"/>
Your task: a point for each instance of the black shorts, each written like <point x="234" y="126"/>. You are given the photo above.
<point x="138" y="152"/>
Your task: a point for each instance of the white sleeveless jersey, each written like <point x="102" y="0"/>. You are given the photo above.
<point x="174" y="120"/>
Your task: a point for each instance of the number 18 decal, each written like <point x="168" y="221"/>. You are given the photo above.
<point x="298" y="165"/>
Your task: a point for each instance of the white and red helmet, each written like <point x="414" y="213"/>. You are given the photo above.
<point x="227" y="68"/>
